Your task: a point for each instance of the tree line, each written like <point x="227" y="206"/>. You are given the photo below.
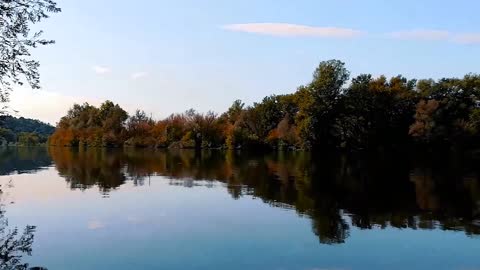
<point x="23" y="131"/>
<point x="331" y="111"/>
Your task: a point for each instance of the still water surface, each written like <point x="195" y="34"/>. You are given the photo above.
<point x="126" y="209"/>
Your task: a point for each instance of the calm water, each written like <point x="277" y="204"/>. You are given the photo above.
<point x="101" y="209"/>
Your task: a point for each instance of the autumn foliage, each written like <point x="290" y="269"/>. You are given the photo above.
<point x="329" y="112"/>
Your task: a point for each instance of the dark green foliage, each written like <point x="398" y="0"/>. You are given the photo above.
<point x="7" y="135"/>
<point x="319" y="103"/>
<point x="13" y="129"/>
<point x="377" y="111"/>
<point x="21" y="124"/>
<point x="28" y="139"/>
<point x="448" y="112"/>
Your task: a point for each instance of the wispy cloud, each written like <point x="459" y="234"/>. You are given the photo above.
<point x="421" y="34"/>
<point x="139" y="75"/>
<point x="470" y="38"/>
<point x="101" y="70"/>
<point x="293" y="30"/>
<point x="437" y="35"/>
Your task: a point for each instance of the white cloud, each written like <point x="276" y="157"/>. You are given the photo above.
<point x="437" y="35"/>
<point x="139" y="75"/>
<point x="293" y="30"/>
<point x="470" y="38"/>
<point x="101" y="70"/>
<point x="421" y="34"/>
<point x="298" y="30"/>
<point x="95" y="225"/>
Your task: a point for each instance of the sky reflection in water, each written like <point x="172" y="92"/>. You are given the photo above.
<point x="101" y="209"/>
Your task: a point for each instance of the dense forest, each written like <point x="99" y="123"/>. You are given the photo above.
<point x="331" y="111"/>
<point x="23" y="131"/>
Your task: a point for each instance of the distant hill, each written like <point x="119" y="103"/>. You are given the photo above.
<point x="12" y="129"/>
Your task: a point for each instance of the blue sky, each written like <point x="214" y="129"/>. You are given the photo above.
<point x="168" y="56"/>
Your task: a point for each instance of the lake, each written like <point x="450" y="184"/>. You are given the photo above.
<point x="142" y="209"/>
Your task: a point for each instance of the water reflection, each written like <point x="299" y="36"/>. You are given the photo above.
<point x="14" y="244"/>
<point x="335" y="192"/>
<point x="23" y="159"/>
<point x="85" y="169"/>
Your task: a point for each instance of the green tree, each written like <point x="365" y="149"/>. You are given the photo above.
<point x="233" y="113"/>
<point x="28" y="139"/>
<point x="7" y="135"/>
<point x="16" y="64"/>
<point x="87" y="125"/>
<point x="113" y="119"/>
<point x="369" y="113"/>
<point x="232" y="120"/>
<point x="318" y="103"/>
<point x="453" y="118"/>
<point x="376" y="111"/>
<point x="21" y="124"/>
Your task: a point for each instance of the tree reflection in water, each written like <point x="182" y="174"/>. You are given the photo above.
<point x="334" y="191"/>
<point x="23" y="159"/>
<point x="14" y="245"/>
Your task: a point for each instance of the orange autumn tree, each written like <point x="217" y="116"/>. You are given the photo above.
<point x="86" y="125"/>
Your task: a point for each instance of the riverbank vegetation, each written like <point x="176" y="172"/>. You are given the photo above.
<point x="331" y="111"/>
<point x="23" y="131"/>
